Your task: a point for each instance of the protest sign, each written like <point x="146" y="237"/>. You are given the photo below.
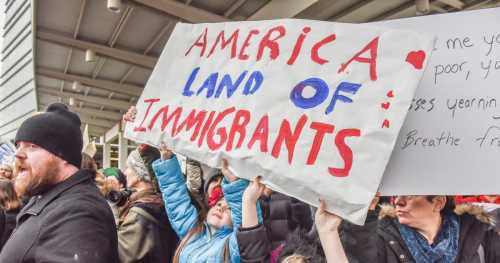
<point x="450" y="142"/>
<point x="313" y="107"/>
<point x="7" y="152"/>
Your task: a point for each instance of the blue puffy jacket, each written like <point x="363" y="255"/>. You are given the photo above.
<point x="209" y="245"/>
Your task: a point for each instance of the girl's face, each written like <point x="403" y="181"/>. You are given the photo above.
<point x="220" y="215"/>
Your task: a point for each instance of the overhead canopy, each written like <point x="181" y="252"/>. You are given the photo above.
<point x="127" y="44"/>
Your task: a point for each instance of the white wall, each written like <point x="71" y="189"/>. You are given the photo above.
<point x="17" y="86"/>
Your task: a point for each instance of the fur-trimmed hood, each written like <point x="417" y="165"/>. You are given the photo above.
<point x="387" y="210"/>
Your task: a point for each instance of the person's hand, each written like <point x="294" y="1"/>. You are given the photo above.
<point x="325" y="221"/>
<point x="253" y="191"/>
<point x="226" y="172"/>
<point x="165" y="153"/>
<point x="375" y="201"/>
<point x="130" y="115"/>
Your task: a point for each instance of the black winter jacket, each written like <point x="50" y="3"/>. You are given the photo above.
<point x="282" y="215"/>
<point x="380" y="241"/>
<point x="7" y="225"/>
<point x="71" y="222"/>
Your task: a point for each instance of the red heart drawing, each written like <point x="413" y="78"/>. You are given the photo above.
<point x="416" y="58"/>
<point x="390" y="94"/>
<point x="386" y="105"/>
<point x="385" y="124"/>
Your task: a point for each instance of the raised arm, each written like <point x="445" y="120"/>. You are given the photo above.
<point x="181" y="212"/>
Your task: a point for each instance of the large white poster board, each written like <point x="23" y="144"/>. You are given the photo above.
<point x="313" y="107"/>
<point x="450" y="142"/>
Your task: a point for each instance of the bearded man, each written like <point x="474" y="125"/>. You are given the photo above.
<point x="66" y="218"/>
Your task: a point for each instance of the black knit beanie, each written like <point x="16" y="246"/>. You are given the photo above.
<point x="57" y="130"/>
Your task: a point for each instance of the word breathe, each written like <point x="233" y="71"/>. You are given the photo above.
<point x="205" y="127"/>
<point x="445" y="138"/>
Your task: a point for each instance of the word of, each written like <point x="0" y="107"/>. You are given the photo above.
<point x="411" y="139"/>
<point x="321" y="93"/>
<point x="448" y="69"/>
<point x="491" y="41"/>
<point x="469" y="104"/>
<point x="206" y="128"/>
<point x="270" y="41"/>
<point x="491" y="140"/>
<point x="252" y="84"/>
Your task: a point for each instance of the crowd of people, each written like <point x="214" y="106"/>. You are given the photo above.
<point x="57" y="206"/>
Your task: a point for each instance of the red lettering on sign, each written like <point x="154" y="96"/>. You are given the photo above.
<point x="372" y="60"/>
<point x="220" y="38"/>
<point x="314" y="51"/>
<point x="321" y="129"/>
<point x="285" y="135"/>
<point x="200" y="42"/>
<point x="345" y="152"/>
<point x="240" y="121"/>
<point x="148" y="109"/>
<point x="271" y="44"/>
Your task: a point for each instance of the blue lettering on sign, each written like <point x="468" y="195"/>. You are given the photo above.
<point x="229" y="85"/>
<point x="320" y="87"/>
<point x="347" y="87"/>
<point x="187" y="88"/>
<point x="321" y="93"/>
<point x="215" y="89"/>
<point x="255" y="79"/>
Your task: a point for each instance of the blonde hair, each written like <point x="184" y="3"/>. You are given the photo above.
<point x="295" y="258"/>
<point x="196" y="230"/>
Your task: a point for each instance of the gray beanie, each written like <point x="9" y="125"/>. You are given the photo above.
<point x="136" y="163"/>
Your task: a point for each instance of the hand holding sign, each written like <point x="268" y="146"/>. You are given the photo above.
<point x="228" y="174"/>
<point x="298" y="102"/>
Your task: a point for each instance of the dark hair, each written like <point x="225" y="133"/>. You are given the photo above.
<point x="449" y="207"/>
<point x="8" y="197"/>
<point x="304" y="244"/>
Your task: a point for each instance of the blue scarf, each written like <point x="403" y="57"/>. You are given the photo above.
<point x="443" y="250"/>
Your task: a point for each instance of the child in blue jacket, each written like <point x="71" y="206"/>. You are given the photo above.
<point x="212" y="239"/>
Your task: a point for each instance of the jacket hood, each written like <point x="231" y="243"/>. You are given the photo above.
<point x="389" y="211"/>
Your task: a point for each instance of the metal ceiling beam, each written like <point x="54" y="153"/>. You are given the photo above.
<point x="127" y="89"/>
<point x="394" y="11"/>
<point x="167" y="28"/>
<point x="103" y="50"/>
<point x="96" y="130"/>
<point x="349" y="9"/>
<point x="101" y="123"/>
<point x="281" y="9"/>
<point x="481" y="4"/>
<point x="453" y="3"/>
<point x="110" y="115"/>
<point x="234" y="7"/>
<point x="111" y="103"/>
<point x="186" y="12"/>
<point x="86" y="118"/>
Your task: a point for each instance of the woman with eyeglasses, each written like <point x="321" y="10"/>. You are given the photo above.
<point x="423" y="229"/>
